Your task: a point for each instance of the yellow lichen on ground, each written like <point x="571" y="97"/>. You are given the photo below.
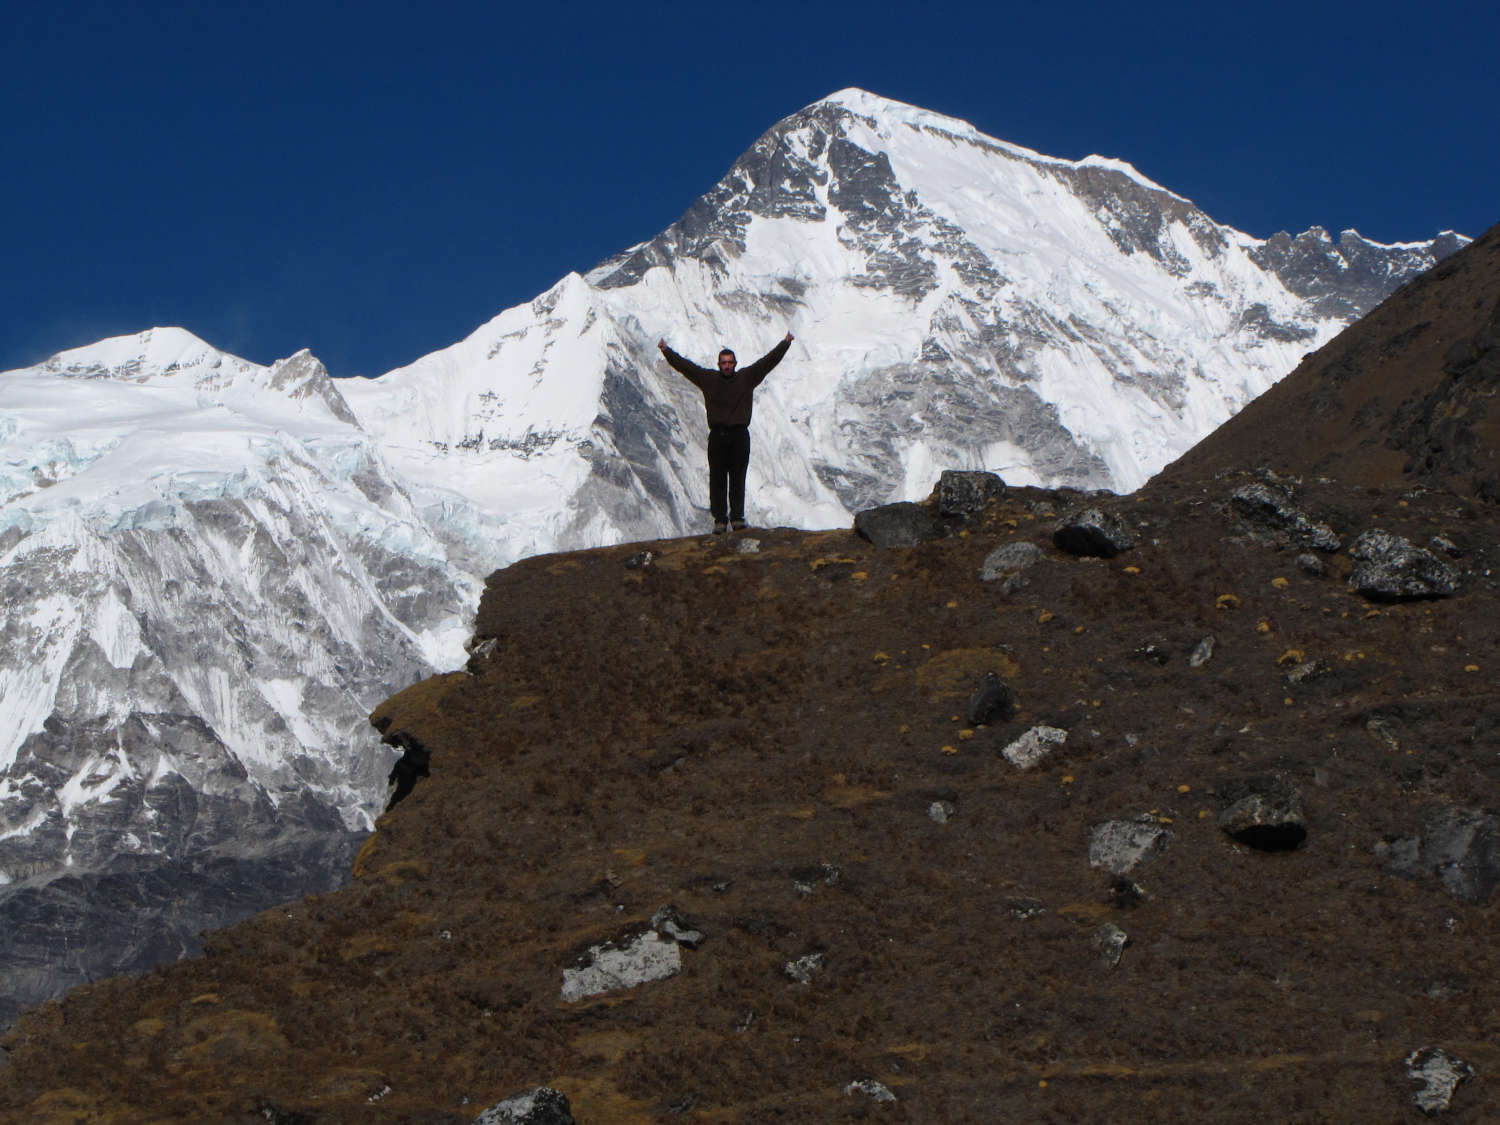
<point x="844" y="796"/>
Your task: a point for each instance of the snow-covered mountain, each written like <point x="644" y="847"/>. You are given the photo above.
<point x="212" y="570"/>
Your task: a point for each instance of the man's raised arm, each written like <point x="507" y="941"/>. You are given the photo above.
<point x="682" y="366"/>
<point x="762" y="366"/>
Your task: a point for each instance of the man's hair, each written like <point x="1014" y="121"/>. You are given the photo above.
<point x="727" y="351"/>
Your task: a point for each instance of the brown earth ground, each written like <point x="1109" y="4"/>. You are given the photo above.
<point x="757" y="738"/>
<point x="712" y="729"/>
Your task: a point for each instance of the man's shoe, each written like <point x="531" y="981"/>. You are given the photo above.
<point x="720" y="527"/>
<point x="738" y="525"/>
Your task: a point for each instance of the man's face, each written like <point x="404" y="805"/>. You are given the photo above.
<point x="726" y="363"/>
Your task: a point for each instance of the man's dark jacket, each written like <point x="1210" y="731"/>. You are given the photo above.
<point x="728" y="398"/>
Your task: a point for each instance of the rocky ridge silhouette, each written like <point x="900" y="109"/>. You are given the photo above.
<point x="1059" y="806"/>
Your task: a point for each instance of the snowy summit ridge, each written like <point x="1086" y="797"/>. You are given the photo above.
<point x="214" y="569"/>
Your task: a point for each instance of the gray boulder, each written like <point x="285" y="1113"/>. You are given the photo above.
<point x="1269" y="818"/>
<point x="542" y="1106"/>
<point x="622" y="963"/>
<point x="1120" y="846"/>
<point x="992" y="700"/>
<point x="1028" y="750"/>
<point x="1110" y="941"/>
<point x="1091" y="533"/>
<point x="1006" y="563"/>
<point x="1272" y="510"/>
<point x="1392" y="569"/>
<point x="1461" y="847"/>
<point x="900" y="525"/>
<point x="966" y="494"/>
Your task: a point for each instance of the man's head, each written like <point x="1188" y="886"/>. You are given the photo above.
<point x="726" y="362"/>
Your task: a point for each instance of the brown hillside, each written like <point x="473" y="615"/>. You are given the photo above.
<point x="1406" y="396"/>
<point x="770" y="733"/>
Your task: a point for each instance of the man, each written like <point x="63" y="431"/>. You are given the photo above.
<point x="727" y="397"/>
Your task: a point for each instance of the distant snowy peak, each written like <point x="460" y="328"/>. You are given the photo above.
<point x="869" y="152"/>
<point x="143" y="356"/>
<point x="174" y="357"/>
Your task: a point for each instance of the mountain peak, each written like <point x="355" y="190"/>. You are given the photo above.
<point x="138" y="355"/>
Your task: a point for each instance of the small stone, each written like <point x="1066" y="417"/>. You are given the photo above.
<point x="804" y="968"/>
<point x="1091" y="533"/>
<point x="669" y="923"/>
<point x="640" y="560"/>
<point x="1305" y="671"/>
<point x="1268" y="819"/>
<point x="1008" y="561"/>
<point x="1110" y="941"/>
<point x="747" y="546"/>
<point x="1120" y="846"/>
<point x="869" y="1087"/>
<point x="992" y="700"/>
<point x="542" y="1106"/>
<point x="1311" y="564"/>
<point x="940" y="811"/>
<point x="1440" y="1074"/>
<point x="1202" y="652"/>
<point x="1028" y="750"/>
<point x="480" y="647"/>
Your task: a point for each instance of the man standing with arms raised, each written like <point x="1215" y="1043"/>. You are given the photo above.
<point x="727" y="395"/>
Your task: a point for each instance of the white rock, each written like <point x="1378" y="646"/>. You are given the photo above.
<point x="649" y="957"/>
<point x="877" y="1090"/>
<point x="1033" y="746"/>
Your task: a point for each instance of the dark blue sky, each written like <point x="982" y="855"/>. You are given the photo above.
<point x="373" y="181"/>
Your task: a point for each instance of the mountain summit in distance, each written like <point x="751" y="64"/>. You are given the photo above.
<point x="213" y="570"/>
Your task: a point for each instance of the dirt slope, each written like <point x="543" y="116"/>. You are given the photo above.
<point x="768" y="732"/>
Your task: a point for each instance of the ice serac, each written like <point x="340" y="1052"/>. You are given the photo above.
<point x="212" y="570"/>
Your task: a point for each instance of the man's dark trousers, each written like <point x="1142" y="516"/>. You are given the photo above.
<point x="728" y="458"/>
